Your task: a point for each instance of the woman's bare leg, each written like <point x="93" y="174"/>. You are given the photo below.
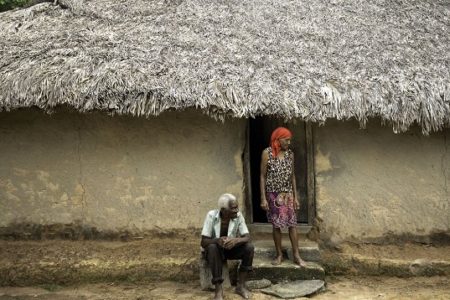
<point x="276" y="233"/>
<point x="294" y="242"/>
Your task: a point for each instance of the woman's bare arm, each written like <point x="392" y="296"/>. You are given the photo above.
<point x="294" y="186"/>
<point x="262" y="179"/>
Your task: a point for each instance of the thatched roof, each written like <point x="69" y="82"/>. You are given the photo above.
<point x="308" y="59"/>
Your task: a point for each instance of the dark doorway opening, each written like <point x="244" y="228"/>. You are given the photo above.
<point x="260" y="129"/>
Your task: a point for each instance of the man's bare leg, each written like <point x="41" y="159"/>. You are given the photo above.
<point x="276" y="233"/>
<point x="294" y="242"/>
<point x="218" y="293"/>
<point x="241" y="289"/>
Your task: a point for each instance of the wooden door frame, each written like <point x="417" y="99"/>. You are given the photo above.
<point x="310" y="179"/>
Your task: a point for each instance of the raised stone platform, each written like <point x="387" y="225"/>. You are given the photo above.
<point x="152" y="259"/>
<point x="287" y="270"/>
<point x="309" y="250"/>
<point x="265" y="252"/>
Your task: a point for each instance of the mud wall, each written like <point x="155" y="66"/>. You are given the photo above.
<point x="372" y="183"/>
<point x="116" y="173"/>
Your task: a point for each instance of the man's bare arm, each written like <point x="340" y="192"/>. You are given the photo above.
<point x="233" y="242"/>
<point x="206" y="241"/>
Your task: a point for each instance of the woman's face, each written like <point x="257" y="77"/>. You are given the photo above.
<point x="284" y="143"/>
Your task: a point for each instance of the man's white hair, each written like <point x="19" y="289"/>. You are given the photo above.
<point x="225" y="199"/>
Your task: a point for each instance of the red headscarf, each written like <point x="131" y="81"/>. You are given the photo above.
<point x="279" y="133"/>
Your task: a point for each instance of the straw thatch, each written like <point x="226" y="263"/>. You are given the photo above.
<point x="311" y="59"/>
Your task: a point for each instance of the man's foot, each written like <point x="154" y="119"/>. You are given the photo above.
<point x="277" y="261"/>
<point x="243" y="292"/>
<point x="299" y="261"/>
<point x="218" y="295"/>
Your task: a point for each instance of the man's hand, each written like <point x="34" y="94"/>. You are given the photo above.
<point x="221" y="241"/>
<point x="230" y="243"/>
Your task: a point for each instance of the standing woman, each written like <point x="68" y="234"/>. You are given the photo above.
<point x="278" y="191"/>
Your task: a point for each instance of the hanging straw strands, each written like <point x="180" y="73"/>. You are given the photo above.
<point x="308" y="59"/>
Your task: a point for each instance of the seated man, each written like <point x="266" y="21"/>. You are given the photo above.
<point x="225" y="236"/>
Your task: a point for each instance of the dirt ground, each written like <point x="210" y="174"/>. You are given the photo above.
<point x="337" y="288"/>
<point x="406" y="251"/>
<point x="24" y="263"/>
<point x="31" y="259"/>
<point x="183" y="247"/>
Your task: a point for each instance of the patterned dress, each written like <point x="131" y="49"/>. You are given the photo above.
<point x="279" y="192"/>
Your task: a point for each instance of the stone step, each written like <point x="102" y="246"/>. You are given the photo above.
<point x="258" y="228"/>
<point x="287" y="270"/>
<point x="309" y="250"/>
<point x="268" y="236"/>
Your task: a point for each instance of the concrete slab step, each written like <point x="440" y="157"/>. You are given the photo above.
<point x="309" y="250"/>
<point x="287" y="270"/>
<point x="257" y="228"/>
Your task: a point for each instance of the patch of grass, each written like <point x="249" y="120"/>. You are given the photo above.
<point x="10" y="4"/>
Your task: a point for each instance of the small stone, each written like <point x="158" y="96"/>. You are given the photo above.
<point x="295" y="289"/>
<point x="258" y="284"/>
<point x="206" y="276"/>
<point x="420" y="267"/>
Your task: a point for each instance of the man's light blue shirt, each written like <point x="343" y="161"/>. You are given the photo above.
<point x="211" y="226"/>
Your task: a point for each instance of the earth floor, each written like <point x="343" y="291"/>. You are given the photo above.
<point x="337" y="288"/>
<point x="29" y="263"/>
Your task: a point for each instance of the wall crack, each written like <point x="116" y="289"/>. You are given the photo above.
<point x="80" y="175"/>
<point x="445" y="175"/>
<point x="443" y="166"/>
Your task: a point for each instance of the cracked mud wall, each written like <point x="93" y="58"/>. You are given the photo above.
<point x="372" y="184"/>
<point x="116" y="173"/>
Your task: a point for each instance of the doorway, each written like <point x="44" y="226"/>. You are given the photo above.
<point x="259" y="131"/>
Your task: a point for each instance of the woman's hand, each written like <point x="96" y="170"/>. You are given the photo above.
<point x="264" y="205"/>
<point x="296" y="204"/>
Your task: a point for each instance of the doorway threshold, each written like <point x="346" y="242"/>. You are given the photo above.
<point x="267" y="228"/>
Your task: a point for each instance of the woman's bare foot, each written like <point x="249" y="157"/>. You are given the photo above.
<point x="277" y="261"/>
<point x="243" y="292"/>
<point x="299" y="261"/>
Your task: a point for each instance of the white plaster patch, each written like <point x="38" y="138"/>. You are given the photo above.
<point x="77" y="197"/>
<point x="64" y="198"/>
<point x="7" y="185"/>
<point x="43" y="176"/>
<point x="322" y="161"/>
<point x="21" y="172"/>
<point x="11" y="197"/>
<point x="238" y="163"/>
<point x="170" y="188"/>
<point x="126" y="199"/>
